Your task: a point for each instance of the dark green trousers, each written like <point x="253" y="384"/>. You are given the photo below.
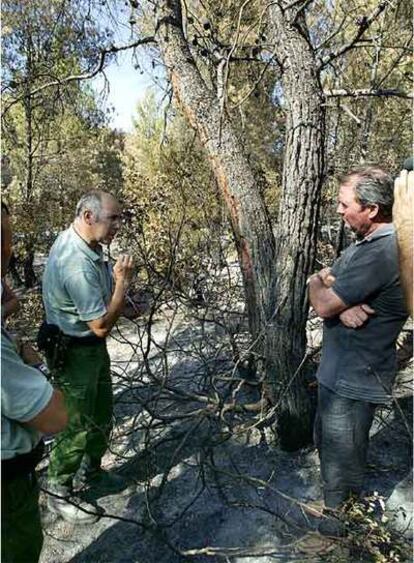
<point x="21" y="532"/>
<point x="85" y="381"/>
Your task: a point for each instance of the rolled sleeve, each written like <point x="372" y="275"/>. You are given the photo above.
<point x="25" y="392"/>
<point x="85" y="290"/>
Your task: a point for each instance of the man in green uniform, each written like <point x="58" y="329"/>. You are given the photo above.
<point x="83" y="299"/>
<point x="29" y="407"/>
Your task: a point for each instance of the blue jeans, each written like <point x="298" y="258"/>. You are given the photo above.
<point x="341" y="435"/>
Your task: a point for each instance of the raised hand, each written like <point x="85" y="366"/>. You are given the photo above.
<point x="326" y="276"/>
<point x="124" y="269"/>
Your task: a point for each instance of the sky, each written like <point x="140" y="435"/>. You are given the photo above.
<point x="126" y="87"/>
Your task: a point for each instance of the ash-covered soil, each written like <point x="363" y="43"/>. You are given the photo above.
<point x="208" y="483"/>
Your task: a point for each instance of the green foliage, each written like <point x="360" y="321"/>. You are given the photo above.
<point x="375" y="129"/>
<point x="58" y="145"/>
<point x="169" y="193"/>
<point x="55" y="139"/>
<point x="71" y="157"/>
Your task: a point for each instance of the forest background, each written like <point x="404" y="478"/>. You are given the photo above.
<point x="229" y="176"/>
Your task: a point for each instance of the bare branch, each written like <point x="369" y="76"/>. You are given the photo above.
<point x="363" y="24"/>
<point x="333" y="34"/>
<point x="397" y="60"/>
<point x="352" y="115"/>
<point x="256" y="84"/>
<point x="364" y="92"/>
<point x="302" y="8"/>
<point x="85" y="76"/>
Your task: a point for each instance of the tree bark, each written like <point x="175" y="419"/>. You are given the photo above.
<point x="274" y="275"/>
<point x="239" y="188"/>
<point x="303" y="171"/>
<point x="30" y="279"/>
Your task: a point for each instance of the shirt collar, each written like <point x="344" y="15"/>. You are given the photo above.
<point x="95" y="254"/>
<point x="378" y="233"/>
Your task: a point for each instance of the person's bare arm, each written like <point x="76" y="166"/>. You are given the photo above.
<point x="29" y="354"/>
<point x="327" y="304"/>
<point x="123" y="271"/>
<point x="53" y="418"/>
<point x="402" y="213"/>
<point x="9" y="302"/>
<point x="322" y="297"/>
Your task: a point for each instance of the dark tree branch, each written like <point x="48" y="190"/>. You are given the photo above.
<point x="332" y="35"/>
<point x="305" y="4"/>
<point x="85" y="76"/>
<point x="363" y="24"/>
<point x="301" y="4"/>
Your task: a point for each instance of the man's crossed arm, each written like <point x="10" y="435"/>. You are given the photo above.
<point x="328" y="304"/>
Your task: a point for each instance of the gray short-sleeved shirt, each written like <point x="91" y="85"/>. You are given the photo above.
<point x="77" y="284"/>
<point x="25" y="392"/>
<point x="361" y="363"/>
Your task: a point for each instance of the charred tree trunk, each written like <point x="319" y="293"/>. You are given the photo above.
<point x="14" y="272"/>
<point x="248" y="215"/>
<point x="30" y="278"/>
<point x="303" y="171"/>
<point x="274" y="275"/>
<point x="28" y="114"/>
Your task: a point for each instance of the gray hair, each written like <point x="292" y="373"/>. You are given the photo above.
<point x="91" y="201"/>
<point x="374" y="186"/>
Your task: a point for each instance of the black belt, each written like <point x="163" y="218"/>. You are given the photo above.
<point x="50" y="336"/>
<point x="88" y="340"/>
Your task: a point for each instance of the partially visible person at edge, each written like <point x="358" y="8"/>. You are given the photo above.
<point x="10" y="305"/>
<point x="29" y="407"/>
<point x="403" y="216"/>
<point x="362" y="304"/>
<point x="83" y="300"/>
<point x="9" y="302"/>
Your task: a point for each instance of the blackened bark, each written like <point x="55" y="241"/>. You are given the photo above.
<point x="303" y="171"/>
<point x="30" y="278"/>
<point x="239" y="188"/>
<point x="274" y="276"/>
<point x="13" y="269"/>
<point x="28" y="112"/>
<point x="28" y="270"/>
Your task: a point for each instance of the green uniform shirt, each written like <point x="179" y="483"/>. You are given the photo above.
<point x="77" y="284"/>
<point x="25" y="392"/>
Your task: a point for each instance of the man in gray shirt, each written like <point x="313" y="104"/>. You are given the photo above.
<point x="83" y="299"/>
<point x="361" y="302"/>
